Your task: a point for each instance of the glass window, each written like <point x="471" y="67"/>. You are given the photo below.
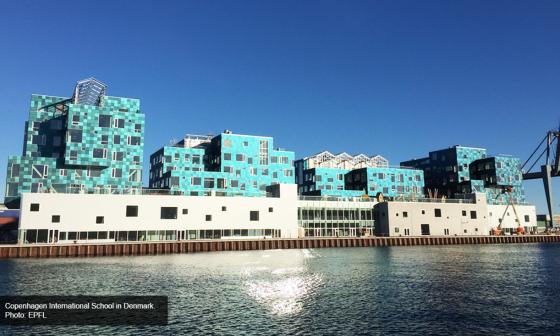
<point x="116" y="139"/>
<point x="208" y="182"/>
<point x="437" y="212"/>
<point x="99" y="220"/>
<point x="253" y="216"/>
<point x="34" y="207"/>
<point x="168" y="212"/>
<point x="132" y="211"/>
<point x="104" y="120"/>
<point x="118" y="123"/>
<point x="75" y="135"/>
<point x="134" y="140"/>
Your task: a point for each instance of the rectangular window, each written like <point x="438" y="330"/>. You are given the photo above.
<point x="40" y="171"/>
<point x="136" y="159"/>
<point x="185" y="211"/>
<point x="75" y="135"/>
<point x="55" y="219"/>
<point x="425" y="228"/>
<point x="104" y="139"/>
<point x="239" y="157"/>
<point x="133" y="140"/>
<point x="99" y="220"/>
<point x="195" y="181"/>
<point x="168" y="212"/>
<point x="132" y="211"/>
<point x="196" y="159"/>
<point x="99" y="153"/>
<point x="137" y="128"/>
<point x="34" y="207"/>
<point x="270" y="210"/>
<point x="464" y="213"/>
<point x="116" y="173"/>
<point x="405" y="214"/>
<point x="104" y="120"/>
<point x="56" y="141"/>
<point x="118" y="156"/>
<point x="118" y="123"/>
<point x="116" y="139"/>
<point x="14" y="172"/>
<point x="75" y="120"/>
<point x="208" y="218"/>
<point x="473" y="214"/>
<point x="263" y="155"/>
<point x="134" y="175"/>
<point x="527" y="220"/>
<point x="437" y="213"/>
<point x="253" y="216"/>
<point x="208" y="182"/>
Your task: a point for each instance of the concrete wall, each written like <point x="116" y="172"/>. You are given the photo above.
<point x="78" y="212"/>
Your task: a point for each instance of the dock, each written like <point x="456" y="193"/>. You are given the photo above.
<point x="195" y="246"/>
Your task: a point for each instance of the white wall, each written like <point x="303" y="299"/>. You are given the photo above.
<point x="525" y="212"/>
<point x="79" y="211"/>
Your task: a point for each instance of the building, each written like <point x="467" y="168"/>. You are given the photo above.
<point x="226" y="164"/>
<point x="343" y="175"/>
<point x="82" y="218"/>
<point x="87" y="143"/>
<point x="458" y="170"/>
<point x="471" y="215"/>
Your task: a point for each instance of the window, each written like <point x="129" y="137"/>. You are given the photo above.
<point x="263" y="155"/>
<point x="137" y="128"/>
<point x="196" y="159"/>
<point x="75" y="120"/>
<point x="224" y="208"/>
<point x="133" y="140"/>
<point x="253" y="216"/>
<point x="136" y="159"/>
<point x="208" y="182"/>
<point x="405" y="214"/>
<point x="168" y="212"/>
<point x="196" y="181"/>
<point x="99" y="153"/>
<point x="527" y="220"/>
<point x="134" y="175"/>
<point x="118" y="156"/>
<point x="118" y="123"/>
<point x="270" y="210"/>
<point x="396" y="230"/>
<point x="132" y="211"/>
<point x="40" y="171"/>
<point x="116" y="139"/>
<point x="423" y="212"/>
<point x="208" y="218"/>
<point x="437" y="213"/>
<point x="34" y="207"/>
<point x="75" y="135"/>
<point x="473" y="214"/>
<point x="104" y="120"/>
<point x="185" y="211"/>
<point x="464" y="213"/>
<point x="425" y="228"/>
<point x="56" y="141"/>
<point x="55" y="219"/>
<point x="104" y="139"/>
<point x="99" y="220"/>
<point x="239" y="157"/>
<point x="73" y="155"/>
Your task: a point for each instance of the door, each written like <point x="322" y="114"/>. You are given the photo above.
<point x="425" y="228"/>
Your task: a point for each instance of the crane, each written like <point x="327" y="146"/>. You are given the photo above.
<point x="550" y="168"/>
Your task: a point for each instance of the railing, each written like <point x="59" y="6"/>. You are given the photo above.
<point x="393" y="199"/>
<point x="147" y="191"/>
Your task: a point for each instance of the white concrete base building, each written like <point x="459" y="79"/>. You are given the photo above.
<point x="81" y="218"/>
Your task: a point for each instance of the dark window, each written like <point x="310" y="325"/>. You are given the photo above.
<point x="168" y="212"/>
<point x="254" y="216"/>
<point x="473" y="214"/>
<point x="527" y="218"/>
<point x="437" y="213"/>
<point x="104" y="120"/>
<point x="423" y="212"/>
<point x="116" y="139"/>
<point x="464" y="212"/>
<point x="208" y="218"/>
<point x="270" y="210"/>
<point x="185" y="211"/>
<point x="75" y="135"/>
<point x="405" y="214"/>
<point x="99" y="220"/>
<point x="55" y="219"/>
<point x="425" y="228"/>
<point x="134" y="140"/>
<point x="224" y="208"/>
<point x="34" y="207"/>
<point x="132" y="211"/>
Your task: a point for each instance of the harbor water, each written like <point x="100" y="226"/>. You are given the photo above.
<point x="409" y="290"/>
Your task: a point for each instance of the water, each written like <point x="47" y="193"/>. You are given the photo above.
<point x="426" y="290"/>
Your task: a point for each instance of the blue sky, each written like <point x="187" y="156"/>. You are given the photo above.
<point x="398" y="78"/>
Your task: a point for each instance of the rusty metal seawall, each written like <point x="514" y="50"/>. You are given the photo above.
<point x="159" y="248"/>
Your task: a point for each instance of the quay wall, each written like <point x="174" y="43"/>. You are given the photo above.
<point x="193" y="246"/>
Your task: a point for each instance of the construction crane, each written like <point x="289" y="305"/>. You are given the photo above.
<point x="550" y="168"/>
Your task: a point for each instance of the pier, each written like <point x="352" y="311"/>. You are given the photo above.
<point x="194" y="246"/>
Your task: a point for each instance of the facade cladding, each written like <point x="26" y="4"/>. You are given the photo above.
<point x="73" y="147"/>
<point x="344" y="175"/>
<point x="227" y="164"/>
<point x="459" y="170"/>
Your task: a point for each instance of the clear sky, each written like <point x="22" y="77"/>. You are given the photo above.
<point x="397" y="78"/>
